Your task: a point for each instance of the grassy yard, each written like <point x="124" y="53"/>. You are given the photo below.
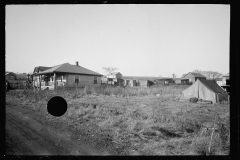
<point x="143" y="121"/>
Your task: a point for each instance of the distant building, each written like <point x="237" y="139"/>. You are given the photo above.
<point x="226" y="82"/>
<point x="10" y="76"/>
<point x="164" y="81"/>
<point x="181" y="81"/>
<point x="22" y="77"/>
<point x="138" y="81"/>
<point x="115" y="75"/>
<point x="192" y="77"/>
<point x="219" y="81"/>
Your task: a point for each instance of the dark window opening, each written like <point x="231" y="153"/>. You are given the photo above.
<point x="95" y="80"/>
<point x="76" y="79"/>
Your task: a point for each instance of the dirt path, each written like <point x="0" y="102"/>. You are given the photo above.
<point x="28" y="133"/>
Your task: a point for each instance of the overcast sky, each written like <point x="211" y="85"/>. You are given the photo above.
<point x="140" y="40"/>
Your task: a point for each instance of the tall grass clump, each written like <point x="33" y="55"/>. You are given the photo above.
<point x="214" y="140"/>
<point x="140" y="91"/>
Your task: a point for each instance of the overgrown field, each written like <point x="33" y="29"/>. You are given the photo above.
<point x="142" y="121"/>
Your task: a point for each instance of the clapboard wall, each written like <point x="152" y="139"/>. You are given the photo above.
<point x="84" y="80"/>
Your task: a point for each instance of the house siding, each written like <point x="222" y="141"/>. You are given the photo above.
<point x="84" y="80"/>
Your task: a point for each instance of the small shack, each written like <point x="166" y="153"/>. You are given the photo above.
<point x="138" y="81"/>
<point x="164" y="81"/>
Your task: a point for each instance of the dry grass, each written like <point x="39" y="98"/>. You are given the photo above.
<point x="139" y="122"/>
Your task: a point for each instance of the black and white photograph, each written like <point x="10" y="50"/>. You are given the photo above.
<point x="123" y="79"/>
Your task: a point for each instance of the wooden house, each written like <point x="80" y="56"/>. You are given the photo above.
<point x="67" y="75"/>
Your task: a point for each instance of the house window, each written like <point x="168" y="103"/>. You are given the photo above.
<point x="95" y="80"/>
<point x="76" y="79"/>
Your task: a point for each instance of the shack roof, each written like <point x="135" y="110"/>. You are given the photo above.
<point x="194" y="74"/>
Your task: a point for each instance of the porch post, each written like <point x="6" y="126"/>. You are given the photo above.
<point x="40" y="80"/>
<point x="33" y="82"/>
<point x="66" y="80"/>
<point x="54" y="80"/>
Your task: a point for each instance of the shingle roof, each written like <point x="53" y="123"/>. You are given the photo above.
<point x="68" y="68"/>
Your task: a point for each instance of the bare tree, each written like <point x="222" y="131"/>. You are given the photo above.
<point x="198" y="71"/>
<point x="208" y="74"/>
<point x="30" y="72"/>
<point x="109" y="70"/>
<point x="212" y="74"/>
<point x="174" y="75"/>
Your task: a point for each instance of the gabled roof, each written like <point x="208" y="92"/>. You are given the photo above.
<point x="68" y="68"/>
<point x="40" y="69"/>
<point x="195" y="75"/>
<point x="212" y="85"/>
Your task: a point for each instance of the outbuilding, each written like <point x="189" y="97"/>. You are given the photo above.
<point x="192" y="77"/>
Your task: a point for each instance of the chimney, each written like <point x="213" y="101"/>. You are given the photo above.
<point x="76" y="63"/>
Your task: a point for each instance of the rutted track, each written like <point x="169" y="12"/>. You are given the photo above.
<point x="32" y="137"/>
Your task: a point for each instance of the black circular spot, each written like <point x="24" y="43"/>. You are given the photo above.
<point x="57" y="106"/>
